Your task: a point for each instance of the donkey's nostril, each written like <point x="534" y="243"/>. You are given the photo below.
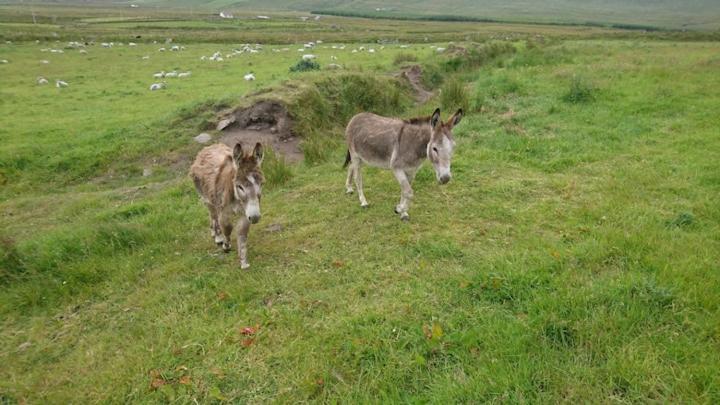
<point x="444" y="178"/>
<point x="254" y="219"/>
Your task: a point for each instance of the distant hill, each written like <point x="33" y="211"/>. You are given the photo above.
<point x="672" y="14"/>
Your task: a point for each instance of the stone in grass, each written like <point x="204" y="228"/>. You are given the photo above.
<point x="225" y="123"/>
<point x="203" y="138"/>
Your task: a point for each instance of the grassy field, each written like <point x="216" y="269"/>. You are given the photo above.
<point x="574" y="256"/>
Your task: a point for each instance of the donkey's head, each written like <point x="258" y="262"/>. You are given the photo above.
<point x="441" y="145"/>
<point x="248" y="181"/>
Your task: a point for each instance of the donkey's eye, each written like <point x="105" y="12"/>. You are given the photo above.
<point x="435" y="149"/>
<point x="241" y="188"/>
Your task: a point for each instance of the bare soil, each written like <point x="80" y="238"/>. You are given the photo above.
<point x="413" y="74"/>
<point x="267" y="122"/>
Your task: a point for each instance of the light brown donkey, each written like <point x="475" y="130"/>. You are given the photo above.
<point x="401" y="146"/>
<point x="230" y="182"/>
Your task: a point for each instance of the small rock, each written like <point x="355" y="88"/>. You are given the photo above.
<point x="147" y="172"/>
<point x="275" y="228"/>
<point x="203" y="138"/>
<point x="225" y="123"/>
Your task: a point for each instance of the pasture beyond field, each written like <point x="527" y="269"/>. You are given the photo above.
<point x="573" y="257"/>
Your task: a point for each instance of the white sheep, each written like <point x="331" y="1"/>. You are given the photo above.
<point x="249" y="77"/>
<point x="44" y="61"/>
<point x="41" y="80"/>
<point x="308" y="57"/>
<point x="60" y="83"/>
<point x="371" y="50"/>
<point x="157" y="86"/>
<point x="175" y="48"/>
<point x="4" y="61"/>
<point x="82" y="51"/>
<point x="159" y="75"/>
<point x="132" y="44"/>
<point x="145" y="57"/>
<point x="171" y="74"/>
<point x="161" y="50"/>
<point x="184" y="74"/>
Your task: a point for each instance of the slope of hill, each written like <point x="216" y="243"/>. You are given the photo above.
<point x="690" y="14"/>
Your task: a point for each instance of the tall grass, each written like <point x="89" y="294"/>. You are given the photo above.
<point x="334" y="100"/>
<point x="581" y="90"/>
<point x="275" y="169"/>
<point x="453" y="96"/>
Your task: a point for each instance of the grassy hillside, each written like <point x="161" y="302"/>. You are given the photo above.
<point x="691" y="14"/>
<point x="572" y="258"/>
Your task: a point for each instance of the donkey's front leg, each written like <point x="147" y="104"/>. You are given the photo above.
<point x="406" y="194"/>
<point x="243" y="227"/>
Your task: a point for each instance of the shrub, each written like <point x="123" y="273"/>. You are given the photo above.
<point x="275" y="169"/>
<point x="432" y="76"/>
<point x="580" y="91"/>
<point x="403" y="57"/>
<point x="453" y="96"/>
<point x="318" y="148"/>
<point x="11" y="263"/>
<point x="305" y="66"/>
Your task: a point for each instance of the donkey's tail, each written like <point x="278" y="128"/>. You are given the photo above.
<point x="347" y="159"/>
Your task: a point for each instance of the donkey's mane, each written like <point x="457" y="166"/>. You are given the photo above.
<point x="418" y="120"/>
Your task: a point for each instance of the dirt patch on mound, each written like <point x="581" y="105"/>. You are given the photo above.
<point x="267" y="122"/>
<point x="413" y="75"/>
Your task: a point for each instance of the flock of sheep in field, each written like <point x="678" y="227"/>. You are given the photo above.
<point x="218" y="56"/>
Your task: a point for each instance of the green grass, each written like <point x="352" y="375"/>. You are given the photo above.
<point x="572" y="258"/>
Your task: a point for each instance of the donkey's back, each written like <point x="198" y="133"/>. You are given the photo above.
<point x="212" y="171"/>
<point x="373" y="138"/>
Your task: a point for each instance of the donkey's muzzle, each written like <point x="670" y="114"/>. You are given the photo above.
<point x="254" y="219"/>
<point x="444" y="178"/>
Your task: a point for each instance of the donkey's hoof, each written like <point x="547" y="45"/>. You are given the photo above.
<point x="245" y="265"/>
<point x="349" y="191"/>
<point x="364" y="205"/>
<point x="404" y="216"/>
<point x="397" y="209"/>
<point x="225" y="247"/>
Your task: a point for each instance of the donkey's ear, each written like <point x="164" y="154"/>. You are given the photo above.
<point x="258" y="152"/>
<point x="435" y="119"/>
<point x="455" y="119"/>
<point x="237" y="152"/>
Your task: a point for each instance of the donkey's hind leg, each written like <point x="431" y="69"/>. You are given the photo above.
<point x="359" y="182"/>
<point x="348" y="181"/>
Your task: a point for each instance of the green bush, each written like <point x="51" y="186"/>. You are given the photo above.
<point x="453" y="95"/>
<point x="317" y="148"/>
<point x="333" y="101"/>
<point x="11" y="263"/>
<point x="275" y="169"/>
<point x="580" y="91"/>
<point x="305" y="66"/>
<point x="404" y="57"/>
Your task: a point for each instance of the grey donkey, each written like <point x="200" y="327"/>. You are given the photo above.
<point x="401" y="146"/>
